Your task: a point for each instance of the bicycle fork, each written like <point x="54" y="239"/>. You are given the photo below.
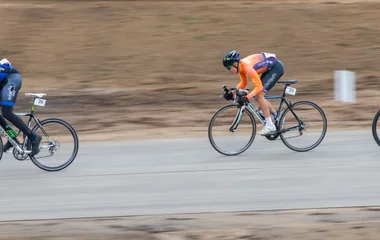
<point x="238" y="117"/>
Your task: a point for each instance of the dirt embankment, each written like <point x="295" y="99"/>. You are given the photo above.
<point x="153" y="68"/>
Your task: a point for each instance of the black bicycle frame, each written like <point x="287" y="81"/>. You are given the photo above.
<point x="258" y="115"/>
<point x="25" y="138"/>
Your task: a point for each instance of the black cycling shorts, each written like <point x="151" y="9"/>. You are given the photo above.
<point x="10" y="89"/>
<point x="270" y="78"/>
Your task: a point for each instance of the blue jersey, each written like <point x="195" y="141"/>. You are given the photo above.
<point x="5" y="70"/>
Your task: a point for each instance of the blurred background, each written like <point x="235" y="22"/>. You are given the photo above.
<point x="153" y="68"/>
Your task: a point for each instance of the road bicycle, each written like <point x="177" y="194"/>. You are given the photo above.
<point x="51" y="149"/>
<point x="298" y="118"/>
<point x="374" y="127"/>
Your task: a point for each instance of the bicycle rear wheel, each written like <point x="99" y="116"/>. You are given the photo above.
<point x="1" y="148"/>
<point x="59" y="145"/>
<point x="375" y="129"/>
<point x="232" y="130"/>
<point x="311" y="122"/>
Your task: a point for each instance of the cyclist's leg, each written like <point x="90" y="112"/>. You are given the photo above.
<point x="3" y="122"/>
<point x="270" y="78"/>
<point x="271" y="109"/>
<point x="269" y="126"/>
<point x="9" y="96"/>
<point x="4" y="125"/>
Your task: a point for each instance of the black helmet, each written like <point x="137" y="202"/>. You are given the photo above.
<point x="230" y="58"/>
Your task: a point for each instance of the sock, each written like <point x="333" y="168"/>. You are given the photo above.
<point x="268" y="122"/>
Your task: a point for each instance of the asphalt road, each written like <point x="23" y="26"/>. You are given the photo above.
<point x="188" y="176"/>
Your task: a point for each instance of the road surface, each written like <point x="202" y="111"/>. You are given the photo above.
<point x="188" y="176"/>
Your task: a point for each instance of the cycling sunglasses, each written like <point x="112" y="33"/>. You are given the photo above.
<point x="229" y="67"/>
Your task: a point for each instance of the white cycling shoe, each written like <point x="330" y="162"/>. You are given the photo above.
<point x="266" y="130"/>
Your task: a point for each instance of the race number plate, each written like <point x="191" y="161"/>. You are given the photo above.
<point x="291" y="91"/>
<point x="268" y="55"/>
<point x="40" y="102"/>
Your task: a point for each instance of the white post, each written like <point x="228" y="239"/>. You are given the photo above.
<point x="344" y="86"/>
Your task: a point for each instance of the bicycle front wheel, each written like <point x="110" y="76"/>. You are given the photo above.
<point x="232" y="130"/>
<point x="59" y="145"/>
<point x="375" y="129"/>
<point x="303" y="126"/>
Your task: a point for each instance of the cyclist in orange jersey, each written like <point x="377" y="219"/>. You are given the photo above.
<point x="265" y="64"/>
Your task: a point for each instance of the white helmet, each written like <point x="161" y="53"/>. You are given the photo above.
<point x="5" y="61"/>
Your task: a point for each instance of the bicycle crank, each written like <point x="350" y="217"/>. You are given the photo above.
<point x="272" y="137"/>
<point x="20" y="156"/>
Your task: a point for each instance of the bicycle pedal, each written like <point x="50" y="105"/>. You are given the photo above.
<point x="271" y="133"/>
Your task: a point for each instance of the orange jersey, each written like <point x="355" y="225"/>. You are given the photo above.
<point x="252" y="66"/>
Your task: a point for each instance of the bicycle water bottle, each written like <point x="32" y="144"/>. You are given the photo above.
<point x="12" y="133"/>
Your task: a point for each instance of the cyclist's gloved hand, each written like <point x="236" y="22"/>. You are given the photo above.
<point x="243" y="92"/>
<point x="228" y="95"/>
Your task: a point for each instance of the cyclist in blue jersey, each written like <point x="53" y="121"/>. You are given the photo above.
<point x="10" y="84"/>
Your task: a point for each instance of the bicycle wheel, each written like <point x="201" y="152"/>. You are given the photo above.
<point x="374" y="128"/>
<point x="1" y="148"/>
<point x="59" y="145"/>
<point x="224" y="138"/>
<point x="313" y="123"/>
